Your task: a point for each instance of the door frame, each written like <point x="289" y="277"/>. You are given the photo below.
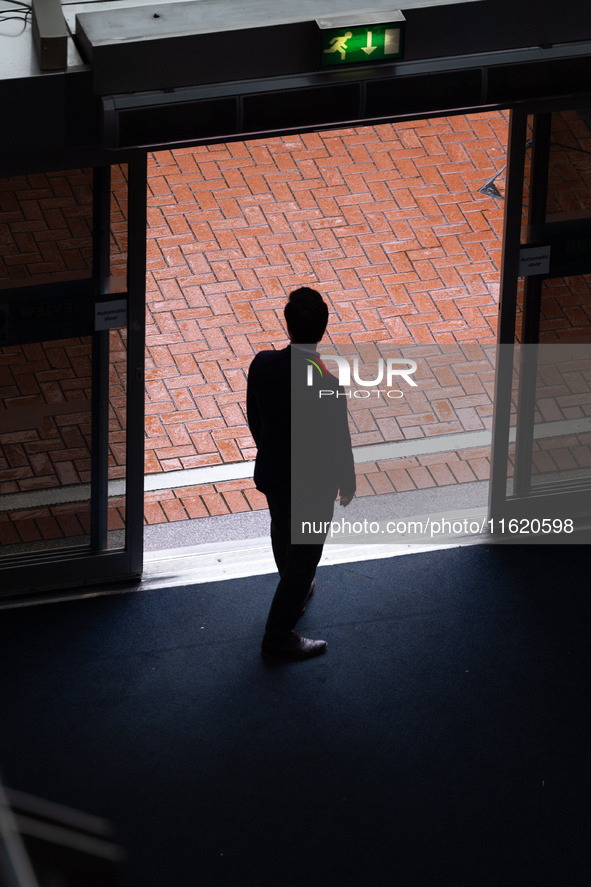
<point x="521" y="232"/>
<point x="63" y="567"/>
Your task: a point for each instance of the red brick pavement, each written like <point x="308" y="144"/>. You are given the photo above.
<point x="571" y="453"/>
<point x="45" y="227"/>
<point x="386" y="221"/>
<point x="570" y="163"/>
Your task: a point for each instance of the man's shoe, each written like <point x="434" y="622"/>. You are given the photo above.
<point x="311" y="591"/>
<point x="290" y="645"/>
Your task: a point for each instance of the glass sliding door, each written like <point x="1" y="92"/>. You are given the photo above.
<point x="542" y="431"/>
<point x="71" y="373"/>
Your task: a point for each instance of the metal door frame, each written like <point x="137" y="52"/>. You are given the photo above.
<point x="61" y="568"/>
<point x="517" y="235"/>
<point x="79" y="568"/>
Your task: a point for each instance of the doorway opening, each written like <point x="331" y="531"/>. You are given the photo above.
<point x="400" y="227"/>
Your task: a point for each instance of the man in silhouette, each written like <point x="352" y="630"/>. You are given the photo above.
<point x="297" y="415"/>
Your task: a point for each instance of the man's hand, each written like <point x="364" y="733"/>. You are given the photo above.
<point x="345" y="500"/>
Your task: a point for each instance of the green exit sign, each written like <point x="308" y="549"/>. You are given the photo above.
<point x="362" y="44"/>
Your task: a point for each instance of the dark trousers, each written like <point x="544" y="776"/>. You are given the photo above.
<point x="296" y="565"/>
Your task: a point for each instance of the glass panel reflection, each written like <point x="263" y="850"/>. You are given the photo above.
<point x="117" y="437"/>
<point x="45" y="445"/>
<point x="565" y="309"/>
<point x="562" y="423"/>
<point x="569" y="173"/>
<point x="550" y="435"/>
<point x="45" y="227"/>
<point x="562" y="431"/>
<point x="118" y="235"/>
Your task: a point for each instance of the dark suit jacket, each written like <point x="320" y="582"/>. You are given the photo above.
<point x="303" y="441"/>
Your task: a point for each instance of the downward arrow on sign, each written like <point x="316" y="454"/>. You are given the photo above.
<point x="369" y="48"/>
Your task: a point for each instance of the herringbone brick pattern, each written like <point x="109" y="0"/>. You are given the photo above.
<point x="46" y="403"/>
<point x="566" y="456"/>
<point x="386" y="221"/>
<point x="453" y="393"/>
<point x="70" y="521"/>
<point x="45" y="227"/>
<point x="565" y="310"/>
<point x="570" y="163"/>
<point x="46" y="392"/>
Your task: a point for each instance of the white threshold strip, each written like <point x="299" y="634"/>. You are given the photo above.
<point x="215" y="474"/>
<point x="224" y="561"/>
<point x="216" y="562"/>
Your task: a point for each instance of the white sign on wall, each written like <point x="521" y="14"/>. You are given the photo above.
<point x="534" y="260"/>
<point x="110" y="315"/>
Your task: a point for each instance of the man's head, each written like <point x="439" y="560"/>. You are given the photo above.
<point x="306" y="316"/>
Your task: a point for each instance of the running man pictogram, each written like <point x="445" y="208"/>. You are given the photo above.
<point x="339" y="44"/>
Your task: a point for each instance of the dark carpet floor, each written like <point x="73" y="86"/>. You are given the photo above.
<point x="444" y="738"/>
